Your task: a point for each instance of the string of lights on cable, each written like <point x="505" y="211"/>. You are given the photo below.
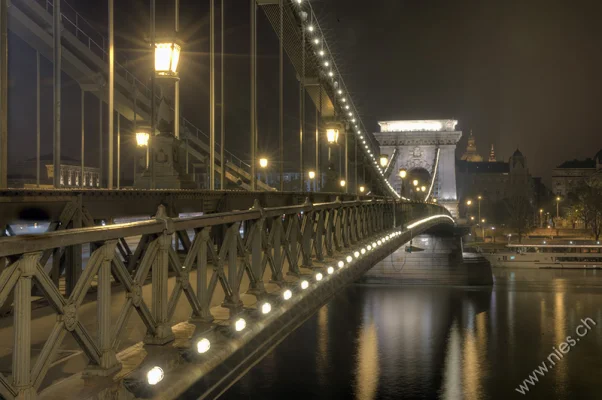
<point x="347" y="107"/>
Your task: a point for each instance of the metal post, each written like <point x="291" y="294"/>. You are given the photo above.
<point x="57" y="92"/>
<point x="176" y="124"/>
<point x="355" y="164"/>
<point x="281" y="95"/>
<point x="150" y="151"/>
<point x="118" y="150"/>
<point x="100" y="142"/>
<point x="346" y="162"/>
<point x="212" y="95"/>
<point x="111" y="91"/>
<point x="222" y="179"/>
<point x="253" y="92"/>
<point x="4" y="94"/>
<point x="135" y="96"/>
<point x="81" y="178"/>
<point x="318" y="138"/>
<point x="302" y="108"/>
<point x="37" y="118"/>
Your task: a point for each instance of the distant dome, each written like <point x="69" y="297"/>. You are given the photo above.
<point x="517" y="153"/>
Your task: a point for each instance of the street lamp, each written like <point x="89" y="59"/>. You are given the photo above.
<point x="480" y="198"/>
<point x="167" y="57"/>
<point x="469" y="202"/>
<point x="343" y="183"/>
<point x="557" y="207"/>
<point x="312" y="176"/>
<point x="384" y="160"/>
<point x="403" y="173"/>
<point x="332" y="135"/>
<point x="541" y="217"/>
<point x="362" y="189"/>
<point x="263" y="162"/>
<point x="415" y="182"/>
<point x="142" y="138"/>
<point x="423" y="188"/>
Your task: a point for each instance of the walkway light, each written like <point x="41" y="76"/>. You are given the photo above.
<point x="326" y="63"/>
<point x="203" y="346"/>
<point x="321" y="53"/>
<point x="415" y="182"/>
<point x="374" y="245"/>
<point x="379" y="242"/>
<point x="330" y="270"/>
<point x="312" y="174"/>
<point x="319" y="276"/>
<point x="332" y="135"/>
<point x="316" y="41"/>
<point x="468" y="202"/>
<point x="384" y="160"/>
<point x="330" y="73"/>
<point x="287" y="294"/>
<point x="155" y="375"/>
<point x="363" y="251"/>
<point x="423" y="188"/>
<point x="342" y="183"/>
<point x="403" y="173"/>
<point x="240" y="324"/>
<point x="356" y="254"/>
<point x="340" y="91"/>
<point x="349" y="259"/>
<point x="304" y="284"/>
<point x="167" y="56"/>
<point x="340" y="264"/>
<point x="266" y="308"/>
<point x="142" y="139"/>
<point x="263" y="162"/>
<point x="310" y="28"/>
<point x="369" y="247"/>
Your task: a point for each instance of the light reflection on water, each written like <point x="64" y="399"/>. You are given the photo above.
<point x="391" y="342"/>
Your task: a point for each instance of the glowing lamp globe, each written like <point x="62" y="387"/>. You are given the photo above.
<point x="332" y="135"/>
<point x="167" y="57"/>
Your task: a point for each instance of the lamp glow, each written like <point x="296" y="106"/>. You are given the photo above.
<point x="356" y="254"/>
<point x="316" y="41"/>
<point x="349" y="259"/>
<point x="362" y="189"/>
<point x="155" y="375"/>
<point x="403" y="173"/>
<point x="340" y="264"/>
<point x="374" y="245"/>
<point x="379" y="242"/>
<point x="321" y="53"/>
<point x="167" y="56"/>
<point x="310" y="28"/>
<point x="332" y="135"/>
<point x="415" y="182"/>
<point x="304" y="284"/>
<point x="319" y="276"/>
<point x="266" y="308"/>
<point x="240" y="324"/>
<point x="363" y="251"/>
<point x="263" y="162"/>
<point x="384" y="160"/>
<point x="312" y="174"/>
<point x="142" y="139"/>
<point x="326" y="63"/>
<point x="287" y="294"/>
<point x="369" y="247"/>
<point x="343" y="183"/>
<point x="203" y="346"/>
<point x="330" y="270"/>
<point x="423" y="188"/>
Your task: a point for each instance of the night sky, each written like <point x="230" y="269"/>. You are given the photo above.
<point x="518" y="73"/>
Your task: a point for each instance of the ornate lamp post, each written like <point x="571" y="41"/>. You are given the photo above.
<point x="263" y="164"/>
<point x="312" y="176"/>
<point x="403" y="173"/>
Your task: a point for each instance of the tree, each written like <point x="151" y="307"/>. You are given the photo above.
<point x="589" y="197"/>
<point x="520" y="214"/>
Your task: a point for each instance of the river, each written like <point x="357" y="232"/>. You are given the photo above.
<point x="436" y="342"/>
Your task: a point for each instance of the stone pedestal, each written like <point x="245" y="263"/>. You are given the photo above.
<point x="170" y="171"/>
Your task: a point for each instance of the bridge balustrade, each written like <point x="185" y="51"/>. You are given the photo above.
<point x="223" y="248"/>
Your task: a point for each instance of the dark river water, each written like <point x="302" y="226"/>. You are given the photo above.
<point x="434" y="342"/>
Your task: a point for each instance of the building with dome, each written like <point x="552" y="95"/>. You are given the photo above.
<point x="471" y="154"/>
<point x="569" y="175"/>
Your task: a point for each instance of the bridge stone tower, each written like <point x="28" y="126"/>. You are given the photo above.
<point x="423" y="146"/>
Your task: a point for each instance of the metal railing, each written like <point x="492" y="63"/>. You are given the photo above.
<point x="75" y="23"/>
<point x="217" y="249"/>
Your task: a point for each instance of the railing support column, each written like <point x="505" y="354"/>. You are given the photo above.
<point x="108" y="364"/>
<point x="163" y="332"/>
<point x="22" y="329"/>
<point x="257" y="287"/>
<point x="202" y="290"/>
